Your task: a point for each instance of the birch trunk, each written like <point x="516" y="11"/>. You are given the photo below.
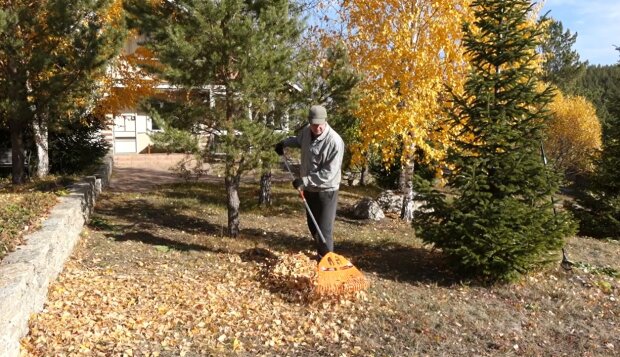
<point x="406" y="187"/>
<point x="42" y="143"/>
<point x="232" y="193"/>
<point x="264" y="197"/>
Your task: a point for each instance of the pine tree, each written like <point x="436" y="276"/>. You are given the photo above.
<point x="51" y="54"/>
<point x="243" y="49"/>
<point x="600" y="213"/>
<point x="600" y="85"/>
<point x="496" y="221"/>
<point x="561" y="66"/>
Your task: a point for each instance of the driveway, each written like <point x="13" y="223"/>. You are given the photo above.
<point x="141" y="172"/>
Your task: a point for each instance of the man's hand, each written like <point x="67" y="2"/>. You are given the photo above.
<point x="280" y="148"/>
<point x="298" y="184"/>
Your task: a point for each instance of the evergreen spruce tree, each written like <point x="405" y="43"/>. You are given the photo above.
<point x="497" y="221"/>
<point x="599" y="207"/>
<point x="600" y="215"/>
<point x="239" y="48"/>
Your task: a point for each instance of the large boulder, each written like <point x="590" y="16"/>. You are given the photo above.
<point x="390" y="202"/>
<point x="367" y="208"/>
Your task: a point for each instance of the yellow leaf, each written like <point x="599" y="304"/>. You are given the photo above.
<point x="236" y="345"/>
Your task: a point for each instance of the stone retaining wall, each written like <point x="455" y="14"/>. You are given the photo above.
<point x="26" y="273"/>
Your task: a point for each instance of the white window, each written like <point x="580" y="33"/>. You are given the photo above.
<point x="125" y="123"/>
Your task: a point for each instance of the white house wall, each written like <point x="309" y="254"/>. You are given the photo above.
<point x="129" y="133"/>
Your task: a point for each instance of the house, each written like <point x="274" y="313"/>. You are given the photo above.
<point x="130" y="130"/>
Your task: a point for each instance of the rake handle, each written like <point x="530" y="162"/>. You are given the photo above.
<point x="303" y="199"/>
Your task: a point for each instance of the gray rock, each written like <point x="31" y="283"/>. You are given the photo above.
<point x="390" y="202"/>
<point x="367" y="208"/>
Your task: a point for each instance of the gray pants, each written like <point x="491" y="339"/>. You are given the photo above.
<point x="323" y="207"/>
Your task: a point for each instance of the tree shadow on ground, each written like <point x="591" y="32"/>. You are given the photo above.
<point x="151" y="239"/>
<point x="393" y="261"/>
<point x="215" y="194"/>
<point x="141" y="212"/>
<point x="401" y="263"/>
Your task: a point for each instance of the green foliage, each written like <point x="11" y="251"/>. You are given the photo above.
<point x="600" y="85"/>
<point x="77" y="145"/>
<point x="236" y="52"/>
<point x="386" y="177"/>
<point x="53" y="54"/>
<point x="240" y="50"/>
<point x="172" y="139"/>
<point x="561" y="66"/>
<point x="496" y="220"/>
<point x="252" y="143"/>
<point x="598" y="208"/>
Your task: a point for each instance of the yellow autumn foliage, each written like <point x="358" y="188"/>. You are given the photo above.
<point x="125" y="83"/>
<point x="408" y="52"/>
<point x="573" y="135"/>
<point x="117" y="93"/>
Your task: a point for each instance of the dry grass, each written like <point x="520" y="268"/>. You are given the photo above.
<point x="154" y="275"/>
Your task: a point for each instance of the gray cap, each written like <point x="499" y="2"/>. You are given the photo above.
<point x="317" y="115"/>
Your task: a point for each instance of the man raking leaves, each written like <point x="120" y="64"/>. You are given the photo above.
<point x="322" y="150"/>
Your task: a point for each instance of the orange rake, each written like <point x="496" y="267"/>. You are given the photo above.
<point x="336" y="274"/>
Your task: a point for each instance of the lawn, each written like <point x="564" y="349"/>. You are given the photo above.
<point x="154" y="275"/>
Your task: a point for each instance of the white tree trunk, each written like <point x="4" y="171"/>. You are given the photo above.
<point x="285" y="121"/>
<point x="406" y="186"/>
<point x="41" y="141"/>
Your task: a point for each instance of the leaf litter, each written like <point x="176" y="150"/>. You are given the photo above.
<point x="122" y="294"/>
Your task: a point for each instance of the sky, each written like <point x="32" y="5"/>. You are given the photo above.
<point x="597" y="24"/>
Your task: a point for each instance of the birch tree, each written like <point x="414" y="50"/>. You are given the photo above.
<point x="574" y="134"/>
<point x="407" y="51"/>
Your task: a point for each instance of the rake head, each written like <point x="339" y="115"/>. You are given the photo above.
<point x="336" y="275"/>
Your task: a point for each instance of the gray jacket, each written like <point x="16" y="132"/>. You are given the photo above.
<point x="321" y="159"/>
